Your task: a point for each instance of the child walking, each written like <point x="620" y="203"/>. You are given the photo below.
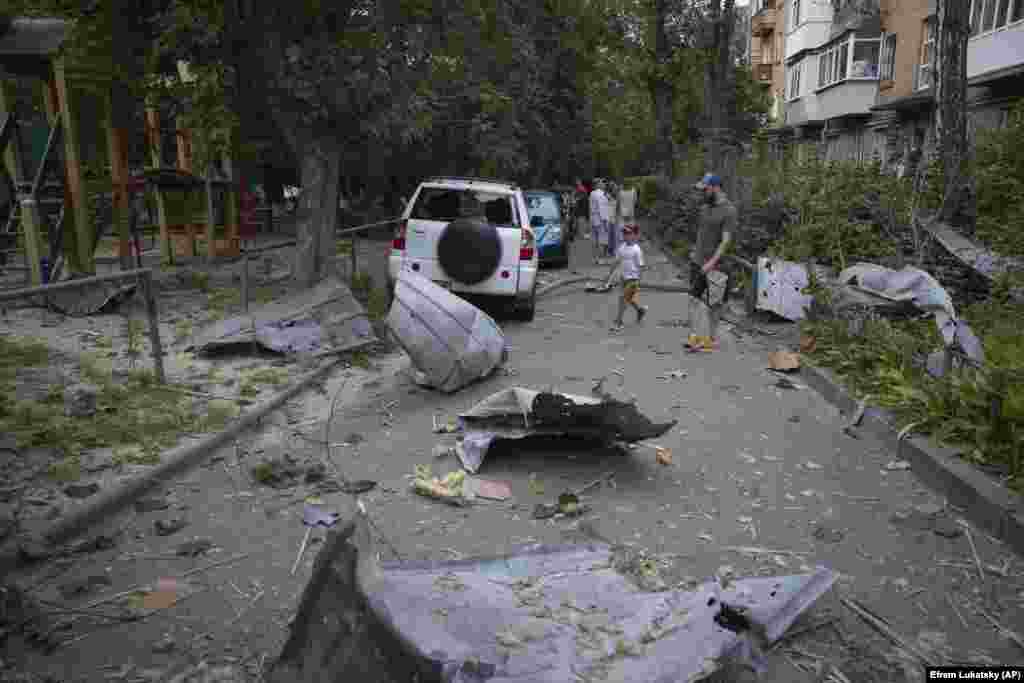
<point x="630" y="257"/>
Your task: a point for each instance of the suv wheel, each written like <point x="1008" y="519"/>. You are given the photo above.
<point x="526" y="309"/>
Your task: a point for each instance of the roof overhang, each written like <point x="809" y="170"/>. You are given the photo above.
<point x="29" y="45"/>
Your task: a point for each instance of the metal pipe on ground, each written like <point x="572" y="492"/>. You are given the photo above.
<point x="180" y="460"/>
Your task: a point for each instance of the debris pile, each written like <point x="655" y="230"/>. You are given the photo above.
<point x="519" y="412"/>
<point x="541" y="613"/>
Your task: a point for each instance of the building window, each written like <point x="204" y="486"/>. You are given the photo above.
<point x="794" y="20"/>
<point x="887" y="62"/>
<point x="794" y="81"/>
<point x="849" y="59"/>
<point x="925" y="70"/>
<point x="992" y="15"/>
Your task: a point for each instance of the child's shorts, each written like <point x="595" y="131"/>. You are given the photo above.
<point x="630" y="288"/>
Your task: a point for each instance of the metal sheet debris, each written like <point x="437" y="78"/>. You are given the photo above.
<point x="541" y="614"/>
<point x="451" y="342"/>
<point x="925" y="293"/>
<point x="780" y="288"/>
<point x="511" y="414"/>
<point x="316" y="320"/>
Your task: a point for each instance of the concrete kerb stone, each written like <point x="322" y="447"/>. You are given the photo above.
<point x="174" y="464"/>
<point x="983" y="501"/>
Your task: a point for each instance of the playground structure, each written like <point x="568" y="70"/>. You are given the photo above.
<point x="48" y="220"/>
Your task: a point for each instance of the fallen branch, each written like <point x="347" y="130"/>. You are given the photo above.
<point x="879" y="625"/>
<point x="786" y="637"/>
<point x="1011" y="635"/>
<point x="974" y="549"/>
<point x="956" y="610"/>
<point x="753" y="550"/>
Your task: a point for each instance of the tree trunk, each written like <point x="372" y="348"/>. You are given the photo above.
<point x="720" y="148"/>
<point x="950" y="61"/>
<point x="318" y="210"/>
<point x="663" y="92"/>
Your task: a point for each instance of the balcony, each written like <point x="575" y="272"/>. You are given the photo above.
<point x="847" y="98"/>
<point x="989" y="54"/>
<point x="763" y="23"/>
<point x="763" y="72"/>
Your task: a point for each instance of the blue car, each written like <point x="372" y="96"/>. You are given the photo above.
<point x="545" y="208"/>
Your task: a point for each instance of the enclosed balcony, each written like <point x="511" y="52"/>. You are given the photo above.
<point x="763" y="23"/>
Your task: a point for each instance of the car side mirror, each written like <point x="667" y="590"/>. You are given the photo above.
<point x="536" y="222"/>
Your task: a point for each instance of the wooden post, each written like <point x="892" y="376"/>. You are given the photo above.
<point x="156" y="147"/>
<point x="211" y="216"/>
<point x="117" y="149"/>
<point x="232" y="211"/>
<point x="51" y="103"/>
<point x="83" y="230"/>
<point x="13" y="161"/>
<point x="183" y="137"/>
<point x="33" y="241"/>
<point x="148" y="293"/>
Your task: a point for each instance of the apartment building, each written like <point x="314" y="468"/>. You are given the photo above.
<point x="767" y="27"/>
<point x="857" y="81"/>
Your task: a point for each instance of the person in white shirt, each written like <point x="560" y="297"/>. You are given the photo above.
<point x="630" y="258"/>
<point x="599" y="220"/>
<point x="627" y="205"/>
<point x="614" y="225"/>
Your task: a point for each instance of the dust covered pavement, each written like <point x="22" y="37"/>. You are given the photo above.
<point x="762" y="480"/>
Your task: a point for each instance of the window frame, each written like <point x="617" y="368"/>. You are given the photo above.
<point x="982" y="10"/>
<point x="838" y="58"/>
<point x="793" y="77"/>
<point x="887" y="57"/>
<point x="927" y="44"/>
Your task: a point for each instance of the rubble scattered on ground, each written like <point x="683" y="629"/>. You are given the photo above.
<point x="928" y="517"/>
<point x="168" y="527"/>
<point x="152" y="504"/>
<point x="448" y="489"/>
<point x="194" y="548"/>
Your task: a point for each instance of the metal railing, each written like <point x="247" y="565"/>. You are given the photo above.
<point x="144" y="276"/>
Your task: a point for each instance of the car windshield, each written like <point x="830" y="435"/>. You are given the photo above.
<point x="543" y="205"/>
<point x="447" y="204"/>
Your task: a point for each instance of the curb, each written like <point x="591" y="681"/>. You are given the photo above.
<point x="983" y="501"/>
<point x="177" y="462"/>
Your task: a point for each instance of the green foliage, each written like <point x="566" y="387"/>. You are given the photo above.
<point x="998" y="169"/>
<point x="828" y="199"/>
<point x="957" y="410"/>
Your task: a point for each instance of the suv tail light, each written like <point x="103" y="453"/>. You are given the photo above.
<point x="526" y="246"/>
<point x="399" y="241"/>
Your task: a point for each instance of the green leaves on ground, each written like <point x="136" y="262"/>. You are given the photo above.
<point x="958" y="410"/>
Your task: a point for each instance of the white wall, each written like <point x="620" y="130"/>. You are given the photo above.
<point x="995" y="51"/>
<point x="850" y="97"/>
<point x="814" y="27"/>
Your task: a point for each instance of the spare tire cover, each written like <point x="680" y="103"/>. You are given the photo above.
<point x="469" y="250"/>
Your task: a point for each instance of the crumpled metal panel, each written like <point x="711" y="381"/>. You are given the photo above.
<point x="550" y="614"/>
<point x="311" y="321"/>
<point x="449" y="340"/>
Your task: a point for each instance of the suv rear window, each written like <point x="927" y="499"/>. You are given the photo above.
<point x="544" y="205"/>
<point x="447" y="204"/>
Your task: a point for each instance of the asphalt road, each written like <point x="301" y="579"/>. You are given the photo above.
<point x="753" y="465"/>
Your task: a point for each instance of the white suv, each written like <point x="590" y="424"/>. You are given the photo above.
<point x="472" y="236"/>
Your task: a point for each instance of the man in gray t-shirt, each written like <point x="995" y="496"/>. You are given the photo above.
<point x="717" y="230"/>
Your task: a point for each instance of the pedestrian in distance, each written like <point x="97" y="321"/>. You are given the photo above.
<point x="599" y="220"/>
<point x="717" y="230"/>
<point x="630" y="260"/>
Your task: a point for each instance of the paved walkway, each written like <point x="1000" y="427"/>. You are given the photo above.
<point x="754" y="465"/>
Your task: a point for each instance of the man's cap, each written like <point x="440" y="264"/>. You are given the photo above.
<point x="709" y="180"/>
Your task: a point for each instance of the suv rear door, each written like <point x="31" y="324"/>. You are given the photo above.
<point x="436" y="205"/>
